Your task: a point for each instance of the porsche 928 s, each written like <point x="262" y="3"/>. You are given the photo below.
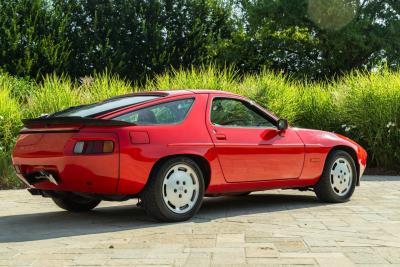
<point x="172" y="148"/>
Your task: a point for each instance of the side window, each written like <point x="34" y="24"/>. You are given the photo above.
<point x="236" y="113"/>
<point x="166" y="113"/>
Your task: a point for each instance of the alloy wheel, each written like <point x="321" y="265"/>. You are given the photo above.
<point x="180" y="188"/>
<point x="341" y="176"/>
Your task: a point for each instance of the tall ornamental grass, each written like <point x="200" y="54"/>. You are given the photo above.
<point x="370" y="112"/>
<point x="10" y="123"/>
<point x="54" y="94"/>
<point x="10" y="118"/>
<point x="267" y="90"/>
<point x="102" y="86"/>
<point x="206" y="77"/>
<point x="362" y="106"/>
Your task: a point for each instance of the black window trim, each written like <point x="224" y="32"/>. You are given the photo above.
<point x="160" y="103"/>
<point x="99" y="114"/>
<point x="249" y="105"/>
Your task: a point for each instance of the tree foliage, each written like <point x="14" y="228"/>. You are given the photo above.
<point x="313" y="39"/>
<point x="316" y="38"/>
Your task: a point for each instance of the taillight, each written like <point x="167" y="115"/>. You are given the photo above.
<point x="94" y="147"/>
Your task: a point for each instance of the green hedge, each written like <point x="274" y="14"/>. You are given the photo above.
<point x="362" y="106"/>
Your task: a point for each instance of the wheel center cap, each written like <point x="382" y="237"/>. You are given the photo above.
<point x="180" y="188"/>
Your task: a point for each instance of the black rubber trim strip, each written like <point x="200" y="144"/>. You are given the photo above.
<point x="48" y="131"/>
<point x="28" y="123"/>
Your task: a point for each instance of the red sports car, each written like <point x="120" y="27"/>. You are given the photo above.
<point x="172" y="148"/>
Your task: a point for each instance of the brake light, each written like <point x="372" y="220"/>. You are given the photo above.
<point x="94" y="147"/>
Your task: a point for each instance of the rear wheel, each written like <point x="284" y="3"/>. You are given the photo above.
<point x="75" y="203"/>
<point x="338" y="179"/>
<point x="175" y="191"/>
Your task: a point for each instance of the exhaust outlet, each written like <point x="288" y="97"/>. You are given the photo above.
<point x="41" y="176"/>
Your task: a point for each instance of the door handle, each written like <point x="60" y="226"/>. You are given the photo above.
<point x="220" y="136"/>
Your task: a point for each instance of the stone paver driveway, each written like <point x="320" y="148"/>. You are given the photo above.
<point x="279" y="227"/>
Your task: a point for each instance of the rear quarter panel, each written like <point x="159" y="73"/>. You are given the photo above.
<point x="138" y="156"/>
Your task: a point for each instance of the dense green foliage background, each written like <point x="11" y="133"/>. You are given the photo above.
<point x="362" y="106"/>
<point x="313" y="39"/>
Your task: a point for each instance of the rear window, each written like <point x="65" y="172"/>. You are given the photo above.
<point x="102" y="107"/>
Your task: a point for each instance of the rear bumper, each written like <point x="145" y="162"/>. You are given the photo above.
<point x="70" y="173"/>
<point x="46" y="164"/>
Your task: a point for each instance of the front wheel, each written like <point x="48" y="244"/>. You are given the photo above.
<point x="175" y="191"/>
<point x="338" y="179"/>
<point x="75" y="203"/>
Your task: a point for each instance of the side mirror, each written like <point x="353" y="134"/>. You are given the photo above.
<point x="282" y="124"/>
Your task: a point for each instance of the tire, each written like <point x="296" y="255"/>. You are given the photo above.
<point x="76" y="203"/>
<point x="175" y="191"/>
<point x="338" y="179"/>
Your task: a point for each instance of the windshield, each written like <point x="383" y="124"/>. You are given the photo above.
<point x="102" y="107"/>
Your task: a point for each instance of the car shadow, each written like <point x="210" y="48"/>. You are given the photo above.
<point x="48" y="225"/>
<point x="380" y="178"/>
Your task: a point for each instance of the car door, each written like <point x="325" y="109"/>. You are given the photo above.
<point x="248" y="143"/>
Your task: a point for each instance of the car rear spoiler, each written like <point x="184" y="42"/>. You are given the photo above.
<point x="72" y="121"/>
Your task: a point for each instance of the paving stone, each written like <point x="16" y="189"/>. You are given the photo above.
<point x="282" y="261"/>
<point x="261" y="252"/>
<point x="290" y="245"/>
<point x="237" y="257"/>
<point x="270" y="228"/>
<point x="366" y="258"/>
